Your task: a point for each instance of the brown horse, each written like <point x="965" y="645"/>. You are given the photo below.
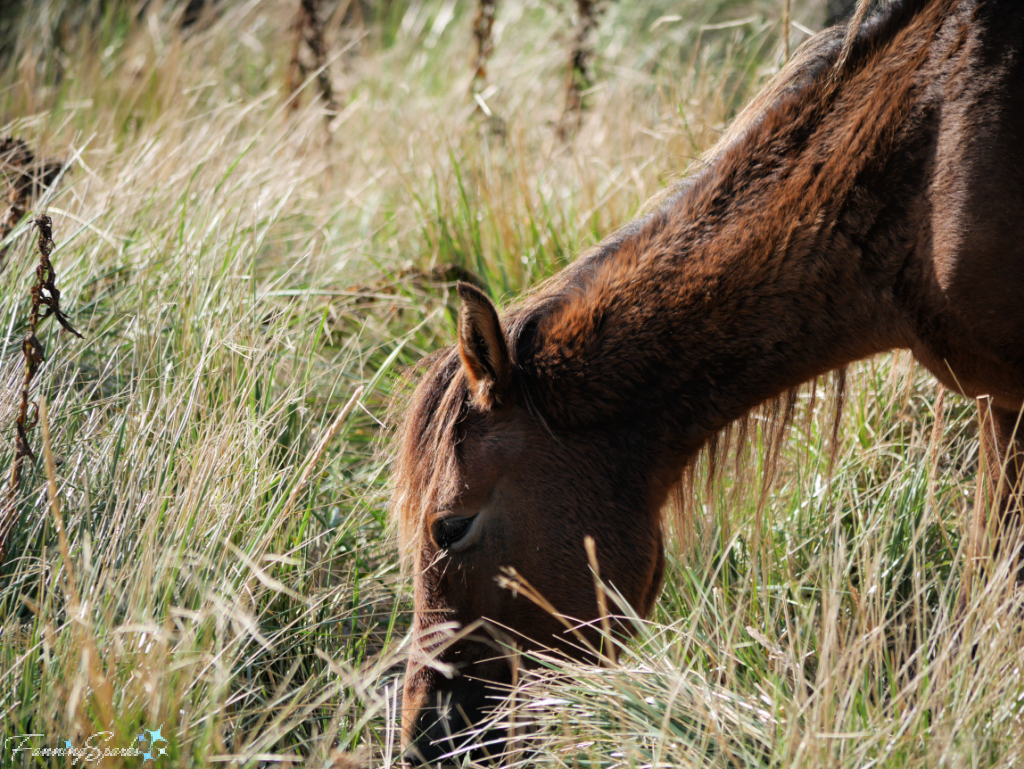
<point x="871" y="198"/>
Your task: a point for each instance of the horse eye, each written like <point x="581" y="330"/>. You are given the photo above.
<point x="448" y="531"/>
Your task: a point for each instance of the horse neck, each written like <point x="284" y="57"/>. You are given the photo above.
<point x="781" y="261"/>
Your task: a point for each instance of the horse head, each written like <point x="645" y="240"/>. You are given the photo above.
<point x="486" y="484"/>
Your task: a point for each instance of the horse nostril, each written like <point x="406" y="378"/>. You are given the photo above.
<point x="453" y="726"/>
<point x="437" y="739"/>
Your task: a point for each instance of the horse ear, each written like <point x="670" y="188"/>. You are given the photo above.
<point x="482" y="347"/>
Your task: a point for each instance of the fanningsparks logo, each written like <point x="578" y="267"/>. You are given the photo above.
<point x="93" y="749"/>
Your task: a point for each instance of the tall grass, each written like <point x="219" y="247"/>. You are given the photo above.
<point x="237" y="278"/>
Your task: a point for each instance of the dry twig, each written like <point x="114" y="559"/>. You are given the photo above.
<point x="483" y="23"/>
<point x="309" y="34"/>
<point x="580" y="77"/>
<point x="786" y="22"/>
<point x="44" y="293"/>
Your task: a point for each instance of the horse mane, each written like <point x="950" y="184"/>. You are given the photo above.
<point x="826" y="55"/>
<point x="425" y="464"/>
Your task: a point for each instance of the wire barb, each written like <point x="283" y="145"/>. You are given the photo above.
<point x="44" y="293"/>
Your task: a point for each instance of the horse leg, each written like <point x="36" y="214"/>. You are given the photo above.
<point x="1001" y="490"/>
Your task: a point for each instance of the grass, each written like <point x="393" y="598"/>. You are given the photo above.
<point x="237" y="278"/>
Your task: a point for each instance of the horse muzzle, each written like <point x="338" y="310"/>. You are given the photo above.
<point x="443" y="719"/>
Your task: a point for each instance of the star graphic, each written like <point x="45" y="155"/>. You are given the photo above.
<point x="147" y="755"/>
<point x="157" y="737"/>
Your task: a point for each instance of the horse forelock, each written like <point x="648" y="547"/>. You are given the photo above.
<point x="426" y="469"/>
